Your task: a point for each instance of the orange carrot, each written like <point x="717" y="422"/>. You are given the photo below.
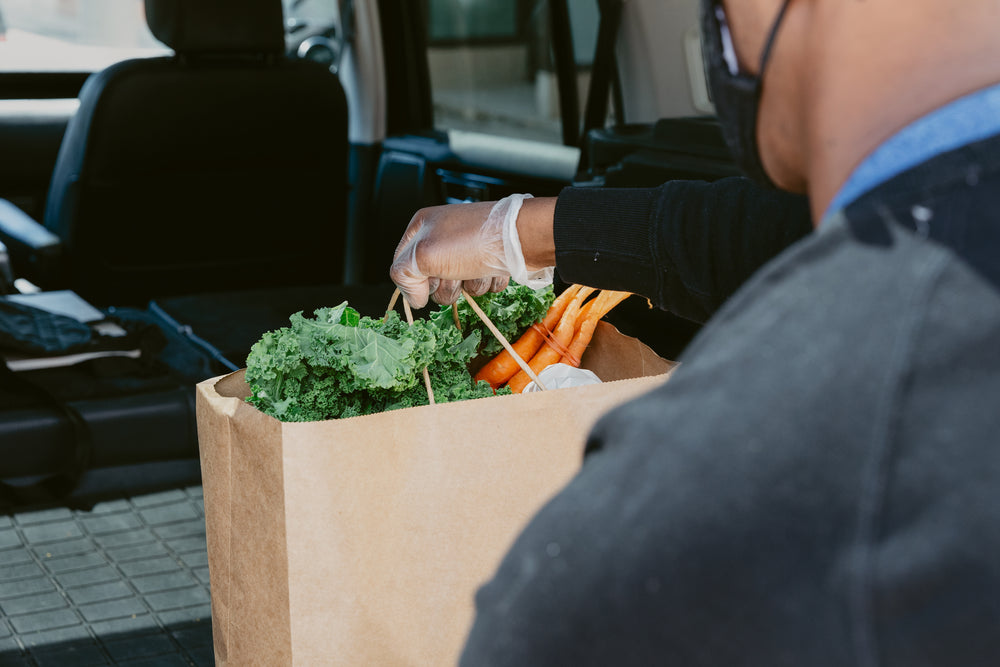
<point x="562" y="334"/>
<point x="503" y="367"/>
<point x="585" y="311"/>
<point x="604" y="301"/>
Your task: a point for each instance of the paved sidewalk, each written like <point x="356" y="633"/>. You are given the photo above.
<point x="123" y="584"/>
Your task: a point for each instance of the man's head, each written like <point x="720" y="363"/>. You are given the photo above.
<point x="842" y="76"/>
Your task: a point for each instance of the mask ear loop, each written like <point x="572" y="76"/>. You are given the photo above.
<point x="769" y="44"/>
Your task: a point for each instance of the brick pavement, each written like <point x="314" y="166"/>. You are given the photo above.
<point x="123" y="584"/>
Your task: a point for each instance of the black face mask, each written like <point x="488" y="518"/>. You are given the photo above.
<point x="736" y="95"/>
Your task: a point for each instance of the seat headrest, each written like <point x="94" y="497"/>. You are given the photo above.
<point x="218" y="26"/>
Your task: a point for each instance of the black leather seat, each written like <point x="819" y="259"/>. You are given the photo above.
<point x="223" y="166"/>
<point x="217" y="175"/>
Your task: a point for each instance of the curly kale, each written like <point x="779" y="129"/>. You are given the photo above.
<point x="512" y="311"/>
<point x="339" y="364"/>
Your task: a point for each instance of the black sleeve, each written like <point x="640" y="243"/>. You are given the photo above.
<point x="686" y="245"/>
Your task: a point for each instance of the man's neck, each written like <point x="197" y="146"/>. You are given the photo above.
<point x="895" y="68"/>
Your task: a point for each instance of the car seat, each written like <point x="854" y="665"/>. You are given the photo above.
<point x="221" y="166"/>
<point x="214" y="181"/>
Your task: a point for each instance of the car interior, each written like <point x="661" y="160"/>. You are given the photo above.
<point x="265" y="161"/>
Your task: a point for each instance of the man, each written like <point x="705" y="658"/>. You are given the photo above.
<point x="818" y="483"/>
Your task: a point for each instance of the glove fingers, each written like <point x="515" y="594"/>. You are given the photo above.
<point x="411" y="282"/>
<point x="477" y="287"/>
<point x="447" y="292"/>
<point x="500" y="283"/>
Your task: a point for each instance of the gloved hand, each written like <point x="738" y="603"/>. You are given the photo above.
<point x="475" y="247"/>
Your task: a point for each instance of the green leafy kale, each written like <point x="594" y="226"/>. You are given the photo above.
<point x="512" y="311"/>
<point x="339" y="364"/>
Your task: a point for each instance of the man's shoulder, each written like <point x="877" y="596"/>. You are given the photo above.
<point x="844" y="281"/>
<point x="825" y="330"/>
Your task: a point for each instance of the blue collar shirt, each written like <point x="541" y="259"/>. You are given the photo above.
<point x="964" y="121"/>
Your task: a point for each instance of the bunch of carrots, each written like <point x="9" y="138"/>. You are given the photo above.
<point x="562" y="337"/>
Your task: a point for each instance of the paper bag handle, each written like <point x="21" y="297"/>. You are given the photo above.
<point x="503" y="341"/>
<point x="409" y="320"/>
<point x="489" y="325"/>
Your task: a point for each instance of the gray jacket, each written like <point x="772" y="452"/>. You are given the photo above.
<point x="818" y="484"/>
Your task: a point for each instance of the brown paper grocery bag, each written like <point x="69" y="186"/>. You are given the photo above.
<point x="362" y="541"/>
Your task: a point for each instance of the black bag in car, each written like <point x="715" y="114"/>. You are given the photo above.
<point x="32" y="330"/>
<point x="57" y="422"/>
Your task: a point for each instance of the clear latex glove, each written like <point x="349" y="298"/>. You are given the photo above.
<point x="463" y="246"/>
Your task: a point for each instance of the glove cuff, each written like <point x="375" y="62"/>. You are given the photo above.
<point x="513" y="254"/>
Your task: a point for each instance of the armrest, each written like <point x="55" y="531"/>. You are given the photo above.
<point x="34" y="251"/>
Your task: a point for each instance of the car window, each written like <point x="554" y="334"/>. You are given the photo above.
<point x="89" y="35"/>
<point x="72" y="35"/>
<point x="310" y="13"/>
<point x="492" y="69"/>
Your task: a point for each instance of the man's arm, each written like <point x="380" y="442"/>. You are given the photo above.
<point x="686" y="245"/>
